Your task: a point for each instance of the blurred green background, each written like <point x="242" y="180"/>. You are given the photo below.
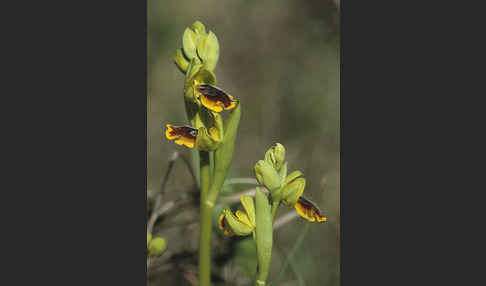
<point x="281" y="60"/>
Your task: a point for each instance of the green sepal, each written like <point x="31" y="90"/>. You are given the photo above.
<point x="292" y="191"/>
<point x="237" y="226"/>
<point x="292" y="176"/>
<point x="189" y="43"/>
<point x="208" y="50"/>
<point x="192" y="70"/>
<point x="181" y="62"/>
<point x="249" y="206"/>
<point x="192" y="104"/>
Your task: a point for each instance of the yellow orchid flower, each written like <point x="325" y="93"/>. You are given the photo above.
<point x="213" y="98"/>
<point x="185" y="135"/>
<point x="240" y="223"/>
<point x="308" y="210"/>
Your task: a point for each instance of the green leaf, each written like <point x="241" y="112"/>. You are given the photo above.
<point x="264" y="234"/>
<point x="224" y="154"/>
<point x="245" y="252"/>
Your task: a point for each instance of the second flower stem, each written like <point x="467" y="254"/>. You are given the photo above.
<point x="275" y="206"/>
<point x="205" y="215"/>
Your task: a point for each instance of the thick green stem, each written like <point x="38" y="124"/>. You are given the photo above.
<point x="205" y="214"/>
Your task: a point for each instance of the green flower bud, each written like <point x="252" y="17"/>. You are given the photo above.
<point x="149" y="238"/>
<point x="267" y="175"/>
<point x="275" y="156"/>
<point x="199" y="27"/>
<point x="157" y="246"/>
<point x="293" y="188"/>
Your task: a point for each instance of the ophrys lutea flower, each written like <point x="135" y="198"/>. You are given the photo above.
<point x="185" y="135"/>
<point x="308" y="210"/>
<point x="241" y="222"/>
<point x="213" y="98"/>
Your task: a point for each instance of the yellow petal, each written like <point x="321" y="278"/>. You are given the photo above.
<point x="168" y="131"/>
<point x="304" y="212"/>
<point x="308" y="210"/>
<point x="232" y="105"/>
<point x="222" y="226"/>
<point x="220" y="222"/>
<point x="211" y="105"/>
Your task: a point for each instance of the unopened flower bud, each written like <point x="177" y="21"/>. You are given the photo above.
<point x="267" y="175"/>
<point x="157" y="246"/>
<point x="275" y="156"/>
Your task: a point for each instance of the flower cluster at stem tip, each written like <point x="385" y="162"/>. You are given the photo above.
<point x="203" y="99"/>
<point x="284" y="189"/>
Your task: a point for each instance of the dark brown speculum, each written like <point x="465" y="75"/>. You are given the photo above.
<point x="184" y="131"/>
<point x="215" y="94"/>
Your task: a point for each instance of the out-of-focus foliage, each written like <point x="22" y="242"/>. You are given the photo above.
<point x="281" y="60"/>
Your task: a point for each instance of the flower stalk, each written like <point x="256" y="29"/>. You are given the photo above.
<point x="203" y="101"/>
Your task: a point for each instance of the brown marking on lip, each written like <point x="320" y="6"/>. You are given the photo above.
<point x="183" y="131"/>
<point x="185" y="135"/>
<point x="311" y="210"/>
<point x="216" y="94"/>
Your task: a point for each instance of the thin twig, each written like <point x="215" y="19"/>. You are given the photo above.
<point x="234" y="198"/>
<point x="288" y="217"/>
<point x="234" y="181"/>
<point x="189" y="168"/>
<point x="158" y="199"/>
